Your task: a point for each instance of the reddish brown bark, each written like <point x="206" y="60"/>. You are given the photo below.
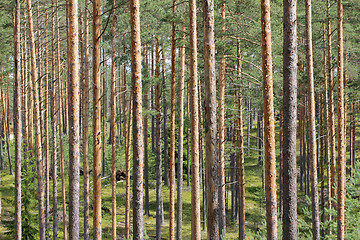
<point x="269" y="129"/>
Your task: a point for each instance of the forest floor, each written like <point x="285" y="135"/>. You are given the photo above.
<point x="254" y="195"/>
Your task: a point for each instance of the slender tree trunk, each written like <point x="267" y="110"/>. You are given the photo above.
<point x="289" y="186"/>
<point x="269" y="130"/>
<point x="312" y="124"/>
<point x="60" y="109"/>
<point x="325" y="129"/>
<point x="113" y="126"/>
<point x="5" y="106"/>
<point x="146" y="160"/>
<point x="17" y="121"/>
<point x="331" y="107"/>
<point x="172" y="131"/>
<point x="97" y="119"/>
<point x="85" y="120"/>
<point x="54" y="115"/>
<point x="240" y="146"/>
<point x="222" y="212"/>
<point x="46" y="128"/>
<point x="193" y="90"/>
<point x="281" y="164"/>
<point x="159" y="197"/>
<point x="38" y="150"/>
<point x="128" y="169"/>
<point x="127" y="132"/>
<point x="180" y="139"/>
<point x="341" y="126"/>
<point x="165" y="127"/>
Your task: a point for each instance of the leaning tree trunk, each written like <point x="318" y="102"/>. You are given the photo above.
<point x="269" y="130"/>
<point x="341" y="126"/>
<point x="289" y="175"/>
<point x="195" y="181"/>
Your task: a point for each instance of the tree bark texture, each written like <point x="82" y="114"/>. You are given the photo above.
<point x="289" y="176"/>
<point x="212" y="175"/>
<point x="38" y="145"/>
<point x="96" y="120"/>
<point x="138" y="218"/>
<point x="341" y="170"/>
<point x="172" y="132"/>
<point x="269" y="130"/>
<point x="17" y="121"/>
<point x="312" y="123"/>
<point x="194" y="109"/>
<point x="180" y="140"/>
<point x="73" y="114"/>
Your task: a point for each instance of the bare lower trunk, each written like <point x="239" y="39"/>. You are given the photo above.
<point x="193" y="92"/>
<point x="341" y="126"/>
<point x="138" y="219"/>
<point x="17" y="121"/>
<point x="97" y="120"/>
<point x="181" y="88"/>
<point x="269" y="130"/>
<point x="289" y="188"/>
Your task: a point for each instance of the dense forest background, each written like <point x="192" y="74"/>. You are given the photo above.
<point x="102" y="157"/>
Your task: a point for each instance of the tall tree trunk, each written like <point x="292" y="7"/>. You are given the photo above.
<point x="269" y="130"/>
<point x="127" y="132"/>
<point x="146" y="159"/>
<point x="172" y="131"/>
<point x="212" y="174"/>
<point x="97" y="119"/>
<point x="46" y="129"/>
<point x="181" y="87"/>
<point x="165" y="127"/>
<point x="289" y="186"/>
<point x="60" y="109"/>
<point x="128" y="169"/>
<point x="38" y="150"/>
<point x="240" y="157"/>
<point x="193" y="90"/>
<point x="85" y="120"/>
<point x="159" y="198"/>
<point x="325" y="127"/>
<point x="113" y="126"/>
<point x="137" y="123"/>
<point x="222" y="212"/>
<point x="104" y="112"/>
<point x="341" y="126"/>
<point x="331" y="108"/>
<point x="312" y="124"/>
<point x="73" y="114"/>
<point x="54" y="115"/>
<point x="17" y="121"/>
